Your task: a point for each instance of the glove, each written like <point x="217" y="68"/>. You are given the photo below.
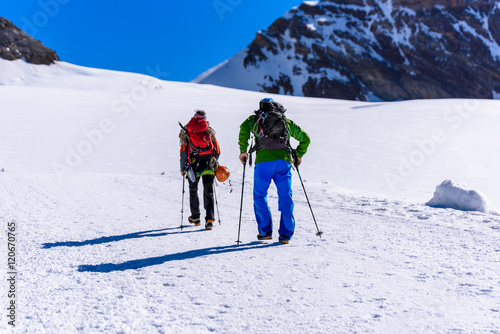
<point x="244" y="157"/>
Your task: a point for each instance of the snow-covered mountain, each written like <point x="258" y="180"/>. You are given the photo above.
<point x="91" y="199"/>
<point x="373" y="50"/>
<point x="89" y="177"/>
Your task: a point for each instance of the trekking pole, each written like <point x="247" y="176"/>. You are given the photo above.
<point x="319" y="234"/>
<point x="216" y="203"/>
<point x="241" y="205"/>
<point x="183" y="191"/>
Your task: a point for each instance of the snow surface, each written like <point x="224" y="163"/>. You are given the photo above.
<point x="100" y="251"/>
<point x="456" y="195"/>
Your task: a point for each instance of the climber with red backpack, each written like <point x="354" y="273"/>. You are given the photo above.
<point x="199" y="156"/>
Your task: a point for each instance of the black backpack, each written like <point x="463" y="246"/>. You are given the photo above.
<point x="271" y="128"/>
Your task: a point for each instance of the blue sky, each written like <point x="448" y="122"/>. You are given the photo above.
<point x="177" y="39"/>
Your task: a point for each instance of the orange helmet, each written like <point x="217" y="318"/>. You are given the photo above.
<point x="222" y="173"/>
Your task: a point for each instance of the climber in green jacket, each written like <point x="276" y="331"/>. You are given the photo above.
<point x="272" y="132"/>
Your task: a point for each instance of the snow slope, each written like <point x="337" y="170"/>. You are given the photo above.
<point x="99" y="249"/>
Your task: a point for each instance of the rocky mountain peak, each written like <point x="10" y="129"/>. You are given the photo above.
<point x="16" y="44"/>
<point x="373" y="50"/>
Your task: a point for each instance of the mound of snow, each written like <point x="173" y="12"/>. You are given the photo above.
<point x="456" y="195"/>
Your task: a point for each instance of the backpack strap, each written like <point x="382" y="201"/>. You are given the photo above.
<point x="261" y="116"/>
<point x="255" y="145"/>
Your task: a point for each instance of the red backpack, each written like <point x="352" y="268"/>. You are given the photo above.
<point x="200" y="143"/>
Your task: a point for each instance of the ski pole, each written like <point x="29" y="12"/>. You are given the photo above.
<point x="241" y="205"/>
<point x="319" y="234"/>
<point x="183" y="191"/>
<point x="216" y="203"/>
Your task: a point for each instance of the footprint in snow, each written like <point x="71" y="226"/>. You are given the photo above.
<point x="381" y="209"/>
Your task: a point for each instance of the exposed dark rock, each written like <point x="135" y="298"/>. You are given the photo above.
<point x="282" y="83"/>
<point x="16" y="44"/>
<point x="365" y="49"/>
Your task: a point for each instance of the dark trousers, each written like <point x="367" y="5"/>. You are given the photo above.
<point x="208" y="197"/>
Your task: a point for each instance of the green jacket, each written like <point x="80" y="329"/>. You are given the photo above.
<point x="264" y="155"/>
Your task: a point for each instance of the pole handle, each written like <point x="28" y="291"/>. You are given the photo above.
<point x="295" y="160"/>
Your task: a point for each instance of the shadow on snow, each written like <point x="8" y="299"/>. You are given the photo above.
<point x="153" y="261"/>
<point x="103" y="240"/>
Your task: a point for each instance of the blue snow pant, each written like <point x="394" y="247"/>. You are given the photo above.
<point x="279" y="171"/>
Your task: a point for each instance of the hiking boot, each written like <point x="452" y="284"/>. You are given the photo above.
<point x="195" y="221"/>
<point x="283" y="241"/>
<point x="264" y="237"/>
<point x="209" y="224"/>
